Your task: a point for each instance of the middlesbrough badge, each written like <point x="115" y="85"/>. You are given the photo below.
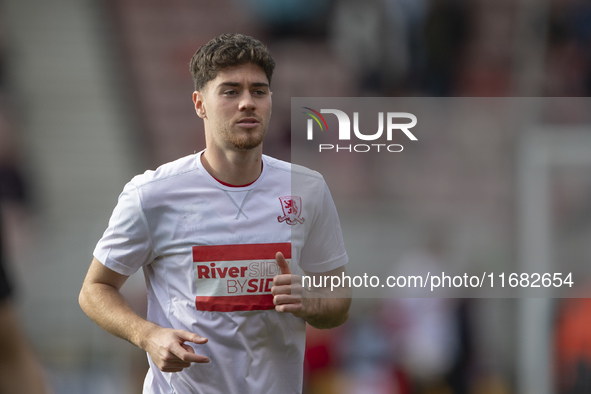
<point x="292" y="210"/>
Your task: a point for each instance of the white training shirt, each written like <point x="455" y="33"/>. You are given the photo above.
<point x="208" y="255"/>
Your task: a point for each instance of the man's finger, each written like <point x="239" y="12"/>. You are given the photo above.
<point x="188" y="348"/>
<point x="289" y="308"/>
<point x="282" y="263"/>
<point x="188" y="356"/>
<point x="186" y="352"/>
<point x="276" y="290"/>
<point x="194" y="358"/>
<point x="191" y="337"/>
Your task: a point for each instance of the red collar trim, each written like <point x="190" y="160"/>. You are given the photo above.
<point x="248" y="184"/>
<point x="229" y="185"/>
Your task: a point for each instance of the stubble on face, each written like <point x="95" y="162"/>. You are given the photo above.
<point x="245" y="139"/>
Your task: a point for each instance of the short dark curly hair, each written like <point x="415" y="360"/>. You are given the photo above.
<point x="229" y="50"/>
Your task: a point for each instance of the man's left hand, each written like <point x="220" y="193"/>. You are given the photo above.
<point x="287" y="289"/>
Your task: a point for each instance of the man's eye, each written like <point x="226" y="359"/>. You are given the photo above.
<point x="259" y="92"/>
<point x="230" y="92"/>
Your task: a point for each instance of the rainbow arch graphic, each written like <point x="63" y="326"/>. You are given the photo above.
<point x="317" y="117"/>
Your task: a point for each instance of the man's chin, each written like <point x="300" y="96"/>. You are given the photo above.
<point x="247" y="145"/>
<point x="247" y="142"/>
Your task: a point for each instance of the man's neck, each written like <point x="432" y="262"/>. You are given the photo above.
<point x="231" y="167"/>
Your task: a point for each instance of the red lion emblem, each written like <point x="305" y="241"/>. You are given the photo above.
<point x="292" y="210"/>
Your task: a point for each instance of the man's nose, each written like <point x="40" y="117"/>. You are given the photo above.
<point x="247" y="102"/>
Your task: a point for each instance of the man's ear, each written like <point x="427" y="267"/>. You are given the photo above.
<point x="199" y="105"/>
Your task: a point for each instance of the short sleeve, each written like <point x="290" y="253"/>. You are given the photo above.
<point x="324" y="249"/>
<point x="126" y="244"/>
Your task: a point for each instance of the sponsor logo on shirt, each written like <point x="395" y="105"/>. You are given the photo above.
<point x="236" y="277"/>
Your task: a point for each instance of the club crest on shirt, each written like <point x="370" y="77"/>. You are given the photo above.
<point x="292" y="210"/>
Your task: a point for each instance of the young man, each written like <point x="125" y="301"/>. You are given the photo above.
<point x="223" y="237"/>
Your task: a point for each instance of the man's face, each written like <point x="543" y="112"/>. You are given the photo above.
<point x="235" y="107"/>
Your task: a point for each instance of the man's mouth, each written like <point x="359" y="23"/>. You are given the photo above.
<point x="248" y="122"/>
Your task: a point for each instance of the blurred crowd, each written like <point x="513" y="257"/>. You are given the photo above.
<point x="20" y="369"/>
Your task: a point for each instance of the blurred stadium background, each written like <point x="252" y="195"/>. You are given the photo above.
<point x="93" y="92"/>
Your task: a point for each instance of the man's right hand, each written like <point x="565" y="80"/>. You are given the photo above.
<point x="169" y="351"/>
<point x="102" y="301"/>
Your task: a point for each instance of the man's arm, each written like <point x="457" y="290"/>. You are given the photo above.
<point x="102" y="301"/>
<point x="320" y="307"/>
